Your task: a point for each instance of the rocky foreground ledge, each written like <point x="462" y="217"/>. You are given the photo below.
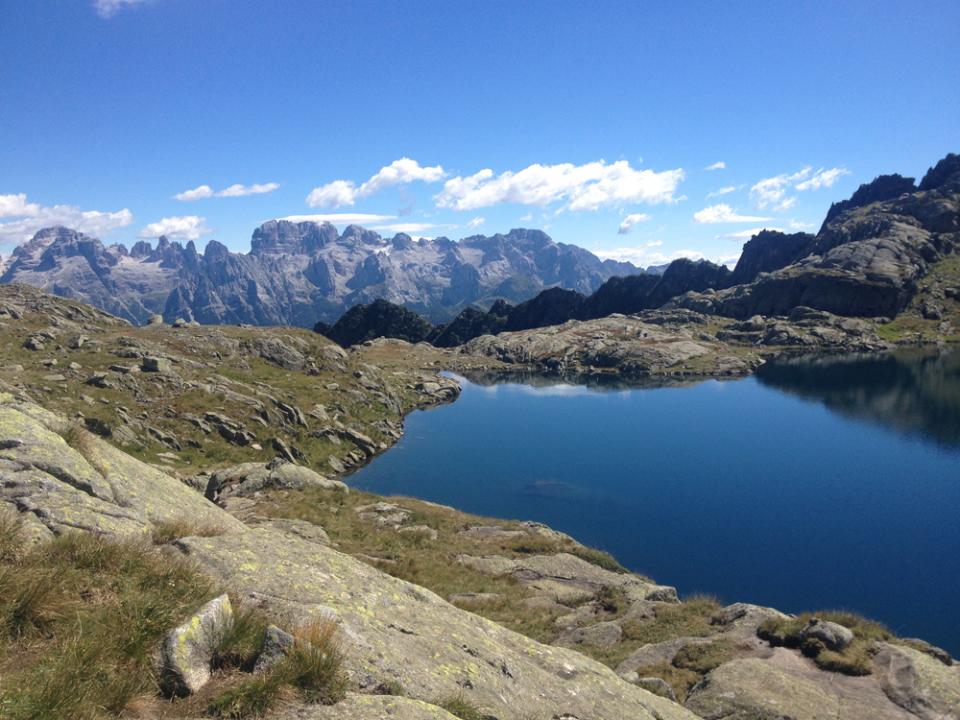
<point x="235" y="437"/>
<point x="401" y="635"/>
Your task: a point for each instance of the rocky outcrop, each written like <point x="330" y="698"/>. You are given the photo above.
<point x="675" y="343"/>
<point x="867" y="260"/>
<point x="378" y="319"/>
<point x="297" y="273"/>
<point x="884" y="187"/>
<point x="472" y="323"/>
<point x="767" y="251"/>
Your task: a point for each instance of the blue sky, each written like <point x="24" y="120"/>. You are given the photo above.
<point x="594" y="121"/>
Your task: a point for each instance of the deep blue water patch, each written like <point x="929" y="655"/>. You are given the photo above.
<point x="819" y="483"/>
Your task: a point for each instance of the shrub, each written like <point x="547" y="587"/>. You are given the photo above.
<point x="690" y="618"/>
<point x="600" y="558"/>
<point x="11" y="535"/>
<point x="94" y="610"/>
<point x="315" y="664"/>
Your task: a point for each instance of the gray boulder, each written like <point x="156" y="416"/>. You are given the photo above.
<point x="188" y="649"/>
<point x="831" y="634"/>
<point x="277" y="644"/>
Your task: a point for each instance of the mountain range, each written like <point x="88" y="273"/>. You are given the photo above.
<point x="869" y="259"/>
<point x="297" y="273"/>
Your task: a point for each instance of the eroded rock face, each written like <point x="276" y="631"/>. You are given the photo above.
<point x="249" y="478"/>
<point x="787" y="686"/>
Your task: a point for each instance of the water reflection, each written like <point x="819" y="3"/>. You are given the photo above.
<point x="913" y="392"/>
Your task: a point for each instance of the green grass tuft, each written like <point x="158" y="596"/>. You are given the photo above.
<point x="81" y="617"/>
<point x="460" y="707"/>
<point x="855" y="659"/>
<point x="166" y="532"/>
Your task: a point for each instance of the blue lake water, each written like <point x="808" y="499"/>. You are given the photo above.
<point x="815" y="484"/>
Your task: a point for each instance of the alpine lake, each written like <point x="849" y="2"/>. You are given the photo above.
<point x="818" y="483"/>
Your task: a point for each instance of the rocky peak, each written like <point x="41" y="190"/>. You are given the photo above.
<point x="883" y="187"/>
<point x="355" y="234"/>
<point x="770" y="250"/>
<point x="141" y="249"/>
<point x="215" y="252"/>
<point x="941" y="172"/>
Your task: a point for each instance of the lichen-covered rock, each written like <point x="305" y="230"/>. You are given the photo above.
<point x="393" y="629"/>
<point x="188" y="650"/>
<point x="787" y="685"/>
<point x="94" y="486"/>
<point x="249" y="478"/>
<point x="566" y="575"/>
<point x="368" y="707"/>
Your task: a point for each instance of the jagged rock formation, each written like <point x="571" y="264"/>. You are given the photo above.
<point x="867" y="260"/>
<point x="299" y="273"/>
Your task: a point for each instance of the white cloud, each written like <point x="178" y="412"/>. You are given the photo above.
<point x="236" y="190"/>
<point x="723" y="213"/>
<point x="642" y="256"/>
<point x="579" y="187"/>
<point x="823" y="178"/>
<point x="476" y="222"/>
<point x="30" y="217"/>
<point x="198" y="193"/>
<point x="722" y="191"/>
<point x="408" y="228"/>
<point x="719" y="165"/>
<point x="399" y="172"/>
<point x="772" y="192"/>
<point x="341" y="218"/>
<point x="184" y="227"/>
<point x="334" y="194"/>
<point x="630" y="220"/>
<point x="798" y="225"/>
<point x="747" y="234"/>
<point x="526" y="218"/>
<point x="109" y="8"/>
<point x="17" y="206"/>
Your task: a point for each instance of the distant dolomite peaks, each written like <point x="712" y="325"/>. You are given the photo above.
<point x="297" y="273"/>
